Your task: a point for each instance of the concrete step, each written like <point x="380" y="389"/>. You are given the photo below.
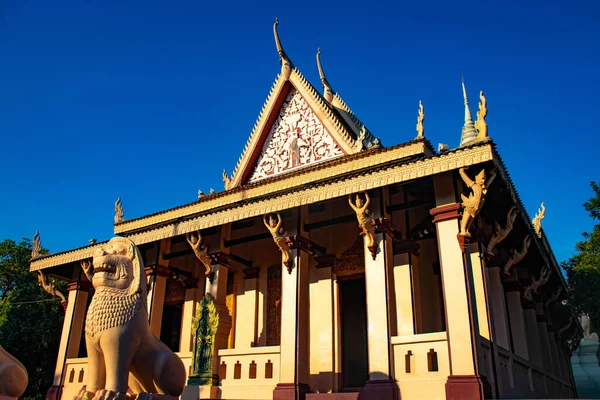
<point x="332" y="396"/>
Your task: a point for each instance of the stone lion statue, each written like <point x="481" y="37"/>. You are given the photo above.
<point x="122" y="352"/>
<point x="13" y="376"/>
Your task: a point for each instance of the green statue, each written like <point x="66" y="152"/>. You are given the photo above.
<point x="204" y="328"/>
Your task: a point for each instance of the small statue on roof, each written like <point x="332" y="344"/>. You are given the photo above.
<point x="37" y="246"/>
<point x="480" y="124"/>
<point x="420" y="119"/>
<point x="537" y="220"/>
<point x="119" y="211"/>
<point x="226" y="180"/>
<point x="200" y="194"/>
<point x="474" y="203"/>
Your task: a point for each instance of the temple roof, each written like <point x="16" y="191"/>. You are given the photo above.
<point x="277" y="144"/>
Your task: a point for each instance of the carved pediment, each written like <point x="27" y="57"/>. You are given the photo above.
<point x="296" y="139"/>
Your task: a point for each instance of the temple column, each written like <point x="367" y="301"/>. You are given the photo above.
<point x="247" y="306"/>
<point x="533" y="336"/>
<point x="261" y="320"/>
<point x="72" y="330"/>
<point x="543" y="337"/>
<point x="553" y="352"/>
<point x="323" y="296"/>
<point x="157" y="276"/>
<point x="498" y="306"/>
<point x="479" y="286"/>
<point x="404" y="250"/>
<point x="377" y="277"/>
<point x="512" y="288"/>
<point x="189" y="309"/>
<point x="294" y="361"/>
<point x="457" y="282"/>
<point x="205" y="384"/>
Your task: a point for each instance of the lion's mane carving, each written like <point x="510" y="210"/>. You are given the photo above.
<point x="122" y="352"/>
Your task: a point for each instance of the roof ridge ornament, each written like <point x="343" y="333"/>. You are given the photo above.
<point x="420" y="119"/>
<point x="119" y="211"/>
<point x="36" y="251"/>
<point x="286" y="63"/>
<point x="480" y="124"/>
<point x="469" y="133"/>
<point x="537" y="220"/>
<point x="328" y="92"/>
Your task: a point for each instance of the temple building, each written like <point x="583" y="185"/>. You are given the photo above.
<point x="334" y="264"/>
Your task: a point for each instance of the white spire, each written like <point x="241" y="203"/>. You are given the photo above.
<point x="469" y="133"/>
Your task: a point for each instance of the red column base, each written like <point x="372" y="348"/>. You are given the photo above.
<point x="380" y="390"/>
<point x="53" y="393"/>
<point x="290" y="391"/>
<point x="465" y="387"/>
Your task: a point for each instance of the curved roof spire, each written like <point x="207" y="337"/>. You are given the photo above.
<point x="328" y="92"/>
<point x="469" y="133"/>
<point x="286" y="63"/>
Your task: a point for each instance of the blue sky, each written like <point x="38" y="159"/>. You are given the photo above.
<point x="151" y="100"/>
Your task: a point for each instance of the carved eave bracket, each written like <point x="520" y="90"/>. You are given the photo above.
<point x="473" y="204"/>
<point x="194" y="239"/>
<point x="517" y="255"/>
<point x="274" y="223"/>
<point x="501" y="233"/>
<point x="554" y="297"/>
<point x="48" y="286"/>
<point x="365" y="221"/>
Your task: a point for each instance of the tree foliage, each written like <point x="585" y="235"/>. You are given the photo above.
<point x="583" y="269"/>
<point x="30" y="320"/>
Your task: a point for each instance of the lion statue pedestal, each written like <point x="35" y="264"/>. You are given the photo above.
<point x="13" y="377"/>
<point x="124" y="359"/>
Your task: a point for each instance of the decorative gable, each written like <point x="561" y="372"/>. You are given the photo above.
<point x="296" y="139"/>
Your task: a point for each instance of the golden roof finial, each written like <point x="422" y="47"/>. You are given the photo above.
<point x="36" y="250"/>
<point x="327" y="90"/>
<point x="480" y="124"/>
<point x="286" y="63"/>
<point x="420" y="119"/>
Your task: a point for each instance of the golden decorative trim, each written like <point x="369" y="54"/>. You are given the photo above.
<point x="284" y="183"/>
<point x="301" y="196"/>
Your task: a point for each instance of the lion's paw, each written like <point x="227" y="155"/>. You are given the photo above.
<point x="109" y="395"/>
<point x="83" y="394"/>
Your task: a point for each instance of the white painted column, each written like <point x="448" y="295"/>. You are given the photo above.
<point x="246" y="309"/>
<point x="479" y="286"/>
<point x="261" y="319"/>
<point x="517" y="318"/>
<point x="189" y="309"/>
<point x="543" y="337"/>
<point x="533" y="337"/>
<point x="156" y="296"/>
<point x="498" y="305"/>
<point x="73" y="324"/>
<point x="461" y="308"/>
<point x="403" y="287"/>
<point x="294" y="362"/>
<point x="322" y="352"/>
